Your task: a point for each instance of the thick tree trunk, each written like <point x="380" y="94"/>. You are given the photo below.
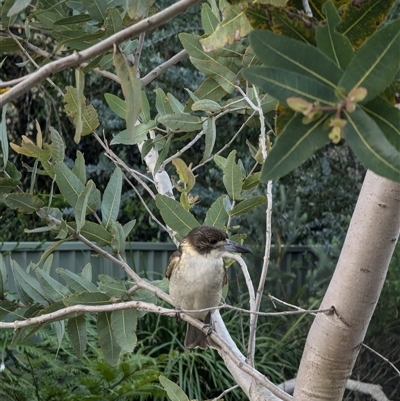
<point x="334" y="340"/>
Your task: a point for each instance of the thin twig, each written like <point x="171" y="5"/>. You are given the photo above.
<point x="382" y="357"/>
<point x="227" y="391"/>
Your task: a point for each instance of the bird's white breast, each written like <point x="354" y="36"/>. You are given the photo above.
<point x="196" y="282"/>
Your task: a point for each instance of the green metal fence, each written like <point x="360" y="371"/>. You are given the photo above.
<point x="150" y="260"/>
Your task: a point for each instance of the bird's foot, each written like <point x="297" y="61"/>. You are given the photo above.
<point x="178" y="315"/>
<point x="209" y="329"/>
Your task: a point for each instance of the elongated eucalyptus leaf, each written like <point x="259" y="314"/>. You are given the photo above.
<point x="210" y="132"/>
<point x="296" y="143"/>
<point x="68" y="183"/>
<point x="371" y="146"/>
<point x="24" y="203"/>
<point x="28" y="284"/>
<point x="3" y="276"/>
<point x="282" y="84"/>
<point x="76" y="283"/>
<point x="232" y="176"/>
<point x="116" y="104"/>
<point x="96" y="8"/>
<point x="289" y="54"/>
<point x="76" y="329"/>
<point x="216" y="215"/>
<point x="362" y="18"/>
<point x="112" y="198"/>
<point x="387" y="117"/>
<point x="175" y="216"/>
<point x="94" y="232"/>
<point x="53" y="289"/>
<point x="220" y="73"/>
<point x="210" y="89"/>
<point x="335" y="45"/>
<point x="57" y="147"/>
<point x="209" y="21"/>
<point x="162" y="103"/>
<point x="131" y="88"/>
<point x="247" y="205"/>
<point x="376" y="62"/>
<point x="107" y="340"/>
<point x="124" y="323"/>
<point x="87" y="298"/>
<point x="7" y="185"/>
<point x="111" y="286"/>
<point x="175" y="393"/>
<point x="3" y="135"/>
<point x="79" y="168"/>
<point x="181" y="122"/>
<point x="82" y="205"/>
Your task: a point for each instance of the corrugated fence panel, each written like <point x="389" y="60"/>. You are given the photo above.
<point x="149" y="259"/>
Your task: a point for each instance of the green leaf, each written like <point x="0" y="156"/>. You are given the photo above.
<point x="128" y="227"/>
<point x="163" y="154"/>
<point x="181" y="122"/>
<point x="30" y="287"/>
<point x="361" y="19"/>
<point x="117" y="105"/>
<point x="86" y="272"/>
<point x="114" y="21"/>
<point x="3" y="276"/>
<point x="247" y="205"/>
<point x="371" y="146"/>
<point x="107" y="340"/>
<point x="12" y="170"/>
<point x="82" y="205"/>
<point x="3" y="134"/>
<point x="18" y="6"/>
<point x="138" y="9"/>
<point x="131" y="88"/>
<point x="6" y="307"/>
<point x="208" y="19"/>
<point x="69" y="184"/>
<point x="251" y="181"/>
<point x="335" y="45"/>
<point x="295" y="56"/>
<point x="80" y="85"/>
<point x="145" y="115"/>
<point x="79" y="168"/>
<point x="96" y="8"/>
<point x="8" y="185"/>
<point x="75" y="107"/>
<point x="210" y="133"/>
<point x="76" y="283"/>
<point x="174" y="392"/>
<point x="94" y="232"/>
<point x="53" y="289"/>
<point x="232" y="177"/>
<point x="57" y="147"/>
<point x="75" y="19"/>
<point x="296" y="143"/>
<point x="376" y="62"/>
<point x="220" y="161"/>
<point x="111" y="198"/>
<point x="282" y="84"/>
<point x="139" y="134"/>
<point x="212" y="68"/>
<point x="233" y="27"/>
<point x="118" y="243"/>
<point x="124" y="323"/>
<point x="162" y="103"/>
<point x="216" y="215"/>
<point x="87" y="298"/>
<point x="206" y="105"/>
<point x="210" y="89"/>
<point x="175" y="216"/>
<point x="387" y="117"/>
<point x="111" y="286"/>
<point x="176" y="105"/>
<point x="76" y="329"/>
<point x="24" y="203"/>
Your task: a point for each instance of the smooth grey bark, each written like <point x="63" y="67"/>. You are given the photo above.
<point x="334" y="340"/>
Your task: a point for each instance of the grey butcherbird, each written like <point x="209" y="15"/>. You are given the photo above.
<point x="197" y="274"/>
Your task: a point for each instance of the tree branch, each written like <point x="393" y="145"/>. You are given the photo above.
<point x="93" y="51"/>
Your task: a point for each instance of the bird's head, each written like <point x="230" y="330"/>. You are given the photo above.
<point x="207" y="240"/>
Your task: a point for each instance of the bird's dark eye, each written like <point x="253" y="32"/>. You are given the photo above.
<point x="213" y="241"/>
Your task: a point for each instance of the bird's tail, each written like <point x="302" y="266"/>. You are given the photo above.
<point x="195" y="338"/>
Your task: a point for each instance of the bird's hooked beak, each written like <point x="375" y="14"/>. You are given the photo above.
<point x="232" y="246"/>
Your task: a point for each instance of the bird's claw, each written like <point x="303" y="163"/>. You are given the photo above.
<point x="209" y="327"/>
<point x="178" y="315"/>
